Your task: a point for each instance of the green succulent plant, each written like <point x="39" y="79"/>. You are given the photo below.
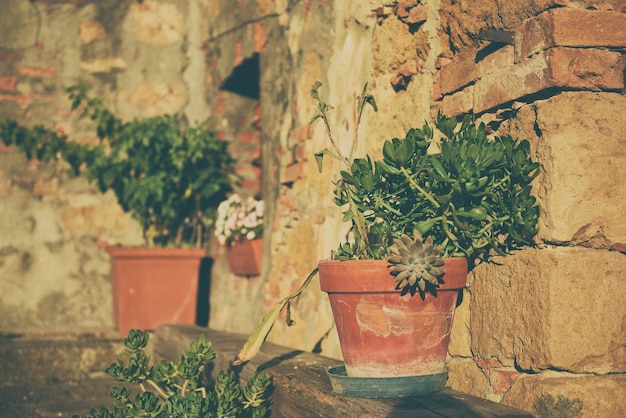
<point x="180" y="390"/>
<point x="445" y="191"/>
<point x="467" y="192"/>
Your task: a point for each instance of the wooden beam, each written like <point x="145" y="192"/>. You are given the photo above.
<point x="302" y="388"/>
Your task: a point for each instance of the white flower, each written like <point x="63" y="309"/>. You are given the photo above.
<point x="239" y="219"/>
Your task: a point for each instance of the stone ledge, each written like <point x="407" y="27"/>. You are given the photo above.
<point x="302" y="389"/>
<point x="34" y="356"/>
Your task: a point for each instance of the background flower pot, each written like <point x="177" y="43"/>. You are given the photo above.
<point x="154" y="286"/>
<point x="384" y="334"/>
<point x="244" y="258"/>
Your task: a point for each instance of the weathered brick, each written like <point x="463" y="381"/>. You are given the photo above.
<point x="238" y="53"/>
<point x="501" y="380"/>
<point x="36" y="71"/>
<point x="260" y="37"/>
<point x="220" y="103"/>
<point x="252" y="186"/>
<point x="467" y="68"/>
<point x="300" y="153"/>
<point x="8" y="84"/>
<point x="293" y="172"/>
<point x="300" y="134"/>
<point x="570" y="27"/>
<point x="249" y="137"/>
<point x="8" y="55"/>
<point x="23" y="100"/>
<point x="587" y="69"/>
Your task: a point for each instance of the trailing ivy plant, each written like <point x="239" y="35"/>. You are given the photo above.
<point x="180" y="390"/>
<point x="169" y="176"/>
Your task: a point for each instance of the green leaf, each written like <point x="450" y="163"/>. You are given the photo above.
<point x="315" y="90"/>
<point x="256" y="339"/>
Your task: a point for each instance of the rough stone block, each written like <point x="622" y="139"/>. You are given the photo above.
<point x="91" y="30"/>
<point x="588" y="69"/>
<point x="466" y="377"/>
<point x="460" y="336"/>
<point x="570" y="27"/>
<point x="556" y="308"/>
<point x="459" y="102"/>
<point x="600" y="396"/>
<point x="582" y="151"/>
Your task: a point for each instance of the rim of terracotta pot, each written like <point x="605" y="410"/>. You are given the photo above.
<point x="374" y="276"/>
<point x="120" y="251"/>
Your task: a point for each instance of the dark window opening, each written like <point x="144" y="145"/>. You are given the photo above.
<point x="244" y="80"/>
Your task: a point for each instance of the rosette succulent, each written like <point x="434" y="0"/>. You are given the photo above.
<point x="415" y="264"/>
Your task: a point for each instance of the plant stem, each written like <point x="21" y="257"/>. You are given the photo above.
<point x="157" y="388"/>
<point x="386" y="205"/>
<point x="419" y="188"/>
<point x="342" y="157"/>
<point x="359" y="222"/>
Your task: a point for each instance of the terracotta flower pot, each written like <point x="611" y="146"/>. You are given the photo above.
<point x="154" y="286"/>
<point x="384" y="334"/>
<point x="244" y="258"/>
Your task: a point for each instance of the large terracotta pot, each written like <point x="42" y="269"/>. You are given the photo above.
<point x="244" y="258"/>
<point x="384" y="334"/>
<point x="154" y="286"/>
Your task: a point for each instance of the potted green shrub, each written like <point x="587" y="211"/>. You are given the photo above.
<point x="436" y="204"/>
<point x="170" y="389"/>
<point x="239" y="228"/>
<point x="169" y="177"/>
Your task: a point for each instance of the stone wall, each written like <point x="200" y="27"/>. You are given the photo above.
<point x="559" y="84"/>
<point x="143" y="58"/>
<point x="545" y="322"/>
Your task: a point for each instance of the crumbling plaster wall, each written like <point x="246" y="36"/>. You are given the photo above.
<point x="144" y="59"/>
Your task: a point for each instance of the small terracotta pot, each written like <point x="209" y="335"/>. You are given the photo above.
<point x="154" y="286"/>
<point x="244" y="258"/>
<point x="384" y="334"/>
